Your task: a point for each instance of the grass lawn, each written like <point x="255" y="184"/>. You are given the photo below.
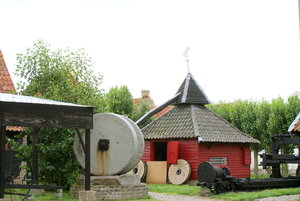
<point x="247" y="196"/>
<point x="182" y="190"/>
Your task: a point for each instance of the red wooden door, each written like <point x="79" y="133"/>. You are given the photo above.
<point x="172" y="152"/>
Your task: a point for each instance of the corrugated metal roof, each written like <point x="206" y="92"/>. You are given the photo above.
<point x="191" y="92"/>
<point x="193" y="121"/>
<point x="34" y="100"/>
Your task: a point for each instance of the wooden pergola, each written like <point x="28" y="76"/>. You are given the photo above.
<point x="37" y="113"/>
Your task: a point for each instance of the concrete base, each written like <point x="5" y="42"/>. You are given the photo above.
<point x="125" y="179"/>
<point x="58" y="193"/>
<point x="36" y="191"/>
<point x="87" y="195"/>
<point x="112" y="187"/>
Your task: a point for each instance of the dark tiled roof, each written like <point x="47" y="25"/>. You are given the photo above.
<point x="191" y="92"/>
<point x="193" y="121"/>
<point x="6" y="83"/>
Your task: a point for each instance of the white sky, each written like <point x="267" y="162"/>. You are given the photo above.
<point x="246" y="49"/>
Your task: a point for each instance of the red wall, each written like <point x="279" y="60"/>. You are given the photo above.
<point x="195" y="153"/>
<point x="235" y="154"/>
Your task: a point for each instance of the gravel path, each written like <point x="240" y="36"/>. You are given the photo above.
<point x="169" y="197"/>
<point x="280" y="198"/>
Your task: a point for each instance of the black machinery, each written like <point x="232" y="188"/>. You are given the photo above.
<point x="215" y="180"/>
<point x="18" y="176"/>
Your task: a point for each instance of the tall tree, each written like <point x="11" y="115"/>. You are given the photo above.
<point x="119" y="100"/>
<point x="61" y="75"/>
<point x="261" y="120"/>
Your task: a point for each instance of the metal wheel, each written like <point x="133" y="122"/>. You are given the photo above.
<point x="17" y="175"/>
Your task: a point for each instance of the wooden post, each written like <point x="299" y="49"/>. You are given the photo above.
<point x="87" y="160"/>
<point x="35" y="156"/>
<point x="2" y="143"/>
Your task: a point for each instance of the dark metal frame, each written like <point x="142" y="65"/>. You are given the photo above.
<point x="220" y="181"/>
<point x="43" y="113"/>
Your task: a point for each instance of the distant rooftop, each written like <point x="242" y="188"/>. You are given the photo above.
<point x="6" y="83"/>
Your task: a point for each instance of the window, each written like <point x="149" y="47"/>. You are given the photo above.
<point x="218" y="160"/>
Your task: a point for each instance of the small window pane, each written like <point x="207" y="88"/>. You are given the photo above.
<point x="218" y="160"/>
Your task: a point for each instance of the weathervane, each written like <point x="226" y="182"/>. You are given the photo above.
<point x="185" y="54"/>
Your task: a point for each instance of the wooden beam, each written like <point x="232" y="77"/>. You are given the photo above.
<point x="51" y="116"/>
<point x="34" y="156"/>
<point x="2" y="143"/>
<point x="87" y="160"/>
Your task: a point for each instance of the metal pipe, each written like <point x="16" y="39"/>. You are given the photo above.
<point x="156" y="110"/>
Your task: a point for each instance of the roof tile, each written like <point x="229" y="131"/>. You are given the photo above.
<point x="192" y="121"/>
<point x="6" y="82"/>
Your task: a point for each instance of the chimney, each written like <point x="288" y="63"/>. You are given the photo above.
<point x="145" y="94"/>
<point x="146" y="97"/>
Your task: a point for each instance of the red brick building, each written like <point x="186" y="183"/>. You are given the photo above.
<point x="7" y="86"/>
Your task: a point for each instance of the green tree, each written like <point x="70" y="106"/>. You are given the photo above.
<point x="277" y="122"/>
<point x="61" y="75"/>
<point x="139" y="111"/>
<point x="119" y="100"/>
<point x="261" y="120"/>
<point x="262" y="117"/>
<point x="292" y="108"/>
<point x="224" y="109"/>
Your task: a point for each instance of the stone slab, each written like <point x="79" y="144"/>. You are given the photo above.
<point x="36" y="191"/>
<point x="125" y="179"/>
<point x="87" y="195"/>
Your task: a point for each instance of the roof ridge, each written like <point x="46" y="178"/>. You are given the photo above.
<point x="191" y="92"/>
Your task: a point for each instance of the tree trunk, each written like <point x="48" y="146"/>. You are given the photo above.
<point x="255" y="153"/>
<point x="284" y="167"/>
